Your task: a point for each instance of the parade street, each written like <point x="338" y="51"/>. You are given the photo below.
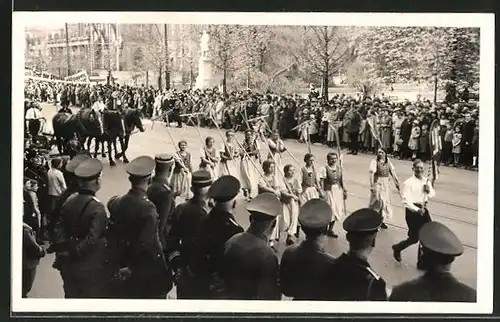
<point x="455" y="204"/>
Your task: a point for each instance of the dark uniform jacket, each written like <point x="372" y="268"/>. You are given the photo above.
<point x="160" y="194"/>
<point x="133" y="233"/>
<point x="215" y="230"/>
<point x="303" y="271"/>
<point x="250" y="269"/>
<point x="82" y="227"/>
<point x="31" y="250"/>
<point x="434" y="287"/>
<point x="352" y="279"/>
<point x="186" y="220"/>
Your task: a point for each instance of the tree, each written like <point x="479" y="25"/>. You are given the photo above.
<point x="362" y="76"/>
<point x="432" y="55"/>
<point x="225" y="46"/>
<point x="326" y="50"/>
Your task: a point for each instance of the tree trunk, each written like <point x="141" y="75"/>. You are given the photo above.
<point x="167" y="66"/>
<point x="159" y="78"/>
<point x="147" y="77"/>
<point x="248" y="77"/>
<point x="224" y="80"/>
<point x="325" y="86"/>
<point x="435" y="88"/>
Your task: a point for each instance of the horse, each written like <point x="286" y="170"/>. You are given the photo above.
<point x="65" y="130"/>
<point x="131" y="119"/>
<point x="89" y="125"/>
<point x="114" y="128"/>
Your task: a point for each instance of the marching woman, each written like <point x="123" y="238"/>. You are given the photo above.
<point x="229" y="154"/>
<point x="209" y="158"/>
<point x="181" y="178"/>
<point x="381" y="170"/>
<point x="276" y="147"/>
<point x="290" y="199"/>
<point x="331" y="182"/>
<point x="308" y="175"/>
<point x="249" y="174"/>
<point x="269" y="183"/>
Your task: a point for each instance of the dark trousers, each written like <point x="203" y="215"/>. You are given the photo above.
<point x="354" y="145"/>
<point x="28" y="279"/>
<point x="84" y="285"/>
<point x="414" y="221"/>
<point x="34" y="127"/>
<point x="188" y="287"/>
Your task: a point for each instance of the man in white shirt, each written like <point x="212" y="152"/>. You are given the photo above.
<point x="99" y="105"/>
<point x="417" y="190"/>
<point x="56" y="184"/>
<point x="32" y="118"/>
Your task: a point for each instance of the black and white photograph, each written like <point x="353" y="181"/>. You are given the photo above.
<point x="238" y="162"/>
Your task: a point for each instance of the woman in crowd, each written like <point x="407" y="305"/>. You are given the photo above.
<point x="249" y="174"/>
<point x="290" y="199"/>
<point x="181" y="178"/>
<point x="209" y="157"/>
<point x="229" y="156"/>
<point x="269" y="183"/>
<point x="332" y="183"/>
<point x="381" y="170"/>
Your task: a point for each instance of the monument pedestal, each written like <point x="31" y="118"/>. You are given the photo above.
<point x="207" y="78"/>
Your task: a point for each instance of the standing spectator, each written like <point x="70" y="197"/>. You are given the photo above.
<point x="448" y="145"/>
<point x="385" y="131"/>
<point x="32" y="213"/>
<point x="32" y="252"/>
<point x="353" y="125"/>
<point x="56" y="185"/>
<point x="457" y="146"/>
<point x="424" y="149"/>
<point x="414" y="139"/>
<point x="475" y="147"/>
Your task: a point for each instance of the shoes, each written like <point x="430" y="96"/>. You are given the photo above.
<point x="332" y="234"/>
<point x="289" y="240"/>
<point x="396" y="254"/>
<point x="383" y="226"/>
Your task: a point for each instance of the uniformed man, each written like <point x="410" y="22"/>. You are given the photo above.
<point x="181" y="240"/>
<point x="142" y="271"/>
<point x="214" y="231"/>
<point x="440" y="247"/>
<point x="82" y="229"/>
<point x="304" y="267"/>
<point x="351" y="277"/>
<point x="72" y="188"/>
<point x="160" y="193"/>
<point x="250" y="266"/>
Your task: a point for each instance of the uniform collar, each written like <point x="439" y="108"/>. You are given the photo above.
<point x="353" y="258"/>
<point x="137" y="192"/>
<point x="84" y="191"/>
<point x="313" y="243"/>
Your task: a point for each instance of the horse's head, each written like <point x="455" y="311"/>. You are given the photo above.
<point x="133" y="117"/>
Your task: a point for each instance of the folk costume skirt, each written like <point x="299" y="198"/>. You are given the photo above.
<point x="380" y="200"/>
<point x="181" y="184"/>
<point x="290" y="217"/>
<point x="249" y="175"/>
<point x="335" y="198"/>
<point x="308" y="194"/>
<point x="230" y="167"/>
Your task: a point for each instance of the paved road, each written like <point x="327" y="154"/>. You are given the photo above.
<point x="455" y="205"/>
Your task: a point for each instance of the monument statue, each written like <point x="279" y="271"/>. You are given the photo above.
<point x="204" y="44"/>
<point x="207" y="75"/>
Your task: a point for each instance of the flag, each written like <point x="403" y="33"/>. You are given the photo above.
<point x="436" y="147"/>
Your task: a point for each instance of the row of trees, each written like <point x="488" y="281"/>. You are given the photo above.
<point x="286" y="58"/>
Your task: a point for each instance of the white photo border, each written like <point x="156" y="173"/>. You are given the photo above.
<point x="484" y="21"/>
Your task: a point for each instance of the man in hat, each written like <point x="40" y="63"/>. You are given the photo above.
<point x="416" y="192"/>
<point x="82" y="231"/>
<point x="353" y="124"/>
<point x="160" y="193"/>
<point x="214" y="231"/>
<point x="351" y="277"/>
<point x="250" y="266"/>
<point x="142" y="272"/>
<point x="72" y="188"/>
<point x="440" y="247"/>
<point x="304" y="267"/>
<point x="181" y="240"/>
